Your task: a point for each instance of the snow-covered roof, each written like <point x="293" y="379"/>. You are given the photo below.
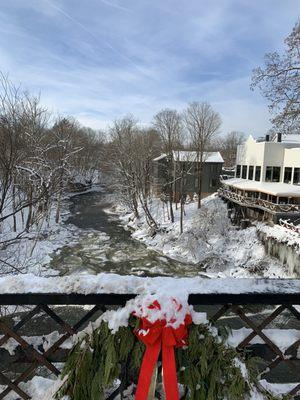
<point x="160" y="157"/>
<point x="273" y="188"/>
<point x="291" y="138"/>
<point x="191" y="156"/>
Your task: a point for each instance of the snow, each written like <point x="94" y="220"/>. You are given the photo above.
<point x="45" y="341"/>
<point x="191" y="156"/>
<point x="281" y="234"/>
<point x="33" y="251"/>
<point x="38" y="388"/>
<point x="161" y="157"/>
<point x="118" y="284"/>
<point x="291" y="138"/>
<point x="209" y="241"/>
<point x="44" y="388"/>
<point x="273" y="188"/>
<point x="283" y="338"/>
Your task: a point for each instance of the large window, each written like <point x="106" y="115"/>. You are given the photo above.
<point x="244" y="172"/>
<point x="257" y="173"/>
<point x="272" y="174"/>
<point x="287" y="175"/>
<point x="250" y="172"/>
<point x="269" y="174"/>
<point x="238" y="171"/>
<point x="276" y="174"/>
<point x="296" y="180"/>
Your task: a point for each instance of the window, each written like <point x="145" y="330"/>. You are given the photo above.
<point x="296" y="180"/>
<point x="250" y="172"/>
<point x="287" y="175"/>
<point x="272" y="174"/>
<point x="244" y="172"/>
<point x="257" y="173"/>
<point x="269" y="174"/>
<point x="213" y="182"/>
<point x="276" y="174"/>
<point x="238" y="171"/>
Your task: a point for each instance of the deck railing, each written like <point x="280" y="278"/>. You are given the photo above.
<point x="258" y="203"/>
<point x="255" y="310"/>
<point x="289" y="225"/>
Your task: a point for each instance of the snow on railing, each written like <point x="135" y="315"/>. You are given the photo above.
<point x="289" y="225"/>
<point x="258" y="203"/>
<point x="236" y="297"/>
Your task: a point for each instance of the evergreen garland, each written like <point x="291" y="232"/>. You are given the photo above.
<point x="206" y="368"/>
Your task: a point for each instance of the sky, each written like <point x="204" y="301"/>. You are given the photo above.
<point x="99" y="60"/>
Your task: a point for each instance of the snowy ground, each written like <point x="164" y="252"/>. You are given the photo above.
<point x="32" y="253"/>
<point x="210" y="240"/>
<point x="44" y="388"/>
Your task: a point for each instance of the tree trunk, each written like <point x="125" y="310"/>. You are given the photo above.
<point x="57" y="215"/>
<point x="171" y="197"/>
<point x="200" y="182"/>
<point x="181" y="205"/>
<point x="135" y="206"/>
<point x="29" y="216"/>
<point x="14" y="208"/>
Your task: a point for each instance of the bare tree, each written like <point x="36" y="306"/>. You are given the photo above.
<point x="203" y="124"/>
<point x="168" y="124"/>
<point x="121" y="160"/>
<point x="227" y="145"/>
<point x="279" y="82"/>
<point x="131" y="153"/>
<point x="37" y="162"/>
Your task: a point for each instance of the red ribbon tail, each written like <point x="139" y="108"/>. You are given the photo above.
<point x="169" y="373"/>
<point x="146" y="371"/>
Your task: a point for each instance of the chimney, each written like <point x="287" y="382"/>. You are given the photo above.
<point x="267" y="138"/>
<point x="279" y="137"/>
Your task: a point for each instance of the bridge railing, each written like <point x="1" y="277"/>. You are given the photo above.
<point x="255" y="310"/>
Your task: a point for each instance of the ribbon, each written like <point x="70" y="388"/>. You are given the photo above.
<point x="160" y="336"/>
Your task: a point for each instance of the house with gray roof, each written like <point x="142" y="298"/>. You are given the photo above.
<point x="180" y="170"/>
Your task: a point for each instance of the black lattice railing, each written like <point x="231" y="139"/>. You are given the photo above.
<point x="269" y="306"/>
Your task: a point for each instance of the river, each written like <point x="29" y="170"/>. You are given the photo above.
<point x="105" y="246"/>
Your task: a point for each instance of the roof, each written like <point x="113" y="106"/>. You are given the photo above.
<point x="291" y="138"/>
<point x="273" y="188"/>
<point x="160" y="157"/>
<point x="191" y="156"/>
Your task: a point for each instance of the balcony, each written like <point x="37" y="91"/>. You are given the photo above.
<point x="257" y="202"/>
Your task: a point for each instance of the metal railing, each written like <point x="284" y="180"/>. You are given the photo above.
<point x="269" y="304"/>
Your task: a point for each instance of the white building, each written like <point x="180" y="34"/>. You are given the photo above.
<point x="270" y="161"/>
<point x="267" y="178"/>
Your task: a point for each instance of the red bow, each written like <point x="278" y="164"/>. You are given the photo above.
<point x="159" y="336"/>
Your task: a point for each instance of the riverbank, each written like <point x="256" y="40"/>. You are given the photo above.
<point x="209" y="240"/>
<point x="32" y="251"/>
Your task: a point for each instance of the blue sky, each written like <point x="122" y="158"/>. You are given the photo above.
<point x="101" y="59"/>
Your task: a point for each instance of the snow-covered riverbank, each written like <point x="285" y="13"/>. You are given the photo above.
<point x="31" y="251"/>
<point x="209" y="240"/>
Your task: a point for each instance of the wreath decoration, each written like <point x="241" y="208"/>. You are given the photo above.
<point x="196" y="363"/>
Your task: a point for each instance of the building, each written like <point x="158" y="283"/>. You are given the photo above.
<point x="266" y="185"/>
<point x="168" y="170"/>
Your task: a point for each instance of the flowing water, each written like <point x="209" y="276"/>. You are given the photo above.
<point x="105" y="246"/>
